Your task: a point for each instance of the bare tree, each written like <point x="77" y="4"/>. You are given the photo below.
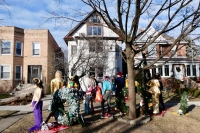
<point x="82" y="62"/>
<point x="124" y="18"/>
<point x="4" y="6"/>
<point x="57" y="61"/>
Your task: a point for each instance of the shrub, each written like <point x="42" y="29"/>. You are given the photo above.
<point x="191" y="92"/>
<point x="196" y="93"/>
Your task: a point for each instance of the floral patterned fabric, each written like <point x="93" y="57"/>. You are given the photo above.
<point x="70" y="96"/>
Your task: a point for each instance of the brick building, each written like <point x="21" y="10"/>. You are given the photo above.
<point x="26" y="54"/>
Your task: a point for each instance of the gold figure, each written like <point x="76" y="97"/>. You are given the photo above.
<point x="155" y="91"/>
<point x="57" y="82"/>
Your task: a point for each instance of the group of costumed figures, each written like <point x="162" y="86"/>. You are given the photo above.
<point x="151" y="99"/>
<point x="63" y="93"/>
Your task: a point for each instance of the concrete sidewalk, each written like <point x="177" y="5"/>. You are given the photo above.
<point x="46" y="100"/>
<point x="23" y="110"/>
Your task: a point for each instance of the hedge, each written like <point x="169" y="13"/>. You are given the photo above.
<point x="191" y="92"/>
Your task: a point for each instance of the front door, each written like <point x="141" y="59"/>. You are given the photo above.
<point x="34" y="72"/>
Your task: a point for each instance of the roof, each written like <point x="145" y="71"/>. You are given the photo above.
<point x="69" y="36"/>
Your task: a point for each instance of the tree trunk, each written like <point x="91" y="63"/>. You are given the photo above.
<point x="131" y="82"/>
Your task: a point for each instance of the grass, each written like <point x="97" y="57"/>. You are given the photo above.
<point x="4" y="95"/>
<point x="6" y="113"/>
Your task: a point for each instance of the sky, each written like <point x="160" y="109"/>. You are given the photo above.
<point x="30" y="14"/>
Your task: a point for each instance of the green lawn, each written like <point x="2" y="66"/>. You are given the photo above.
<point x="4" y="95"/>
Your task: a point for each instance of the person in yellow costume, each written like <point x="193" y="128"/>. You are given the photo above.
<point x="57" y="82"/>
<point x="155" y="91"/>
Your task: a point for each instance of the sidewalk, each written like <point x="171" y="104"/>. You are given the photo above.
<point x="23" y="110"/>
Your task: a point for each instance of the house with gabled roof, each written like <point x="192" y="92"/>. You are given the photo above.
<point x="179" y="66"/>
<point x="91" y="38"/>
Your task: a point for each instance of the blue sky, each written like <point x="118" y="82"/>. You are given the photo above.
<point x="29" y="14"/>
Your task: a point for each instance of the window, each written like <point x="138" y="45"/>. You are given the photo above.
<point x="94" y="19"/>
<point x="18" y="72"/>
<point x="194" y="70"/>
<point x="188" y="70"/>
<point x="36" y="48"/>
<point x="152" y="49"/>
<point x="117" y="49"/>
<point x="74" y="50"/>
<point x="94" y="30"/>
<point x="5" y="47"/>
<point x="92" y="71"/>
<point x="18" y="48"/>
<point x="166" y="70"/>
<point x="96" y="46"/>
<point x="92" y="47"/>
<point x="99" y="71"/>
<point x="5" y="71"/>
<point x="153" y="70"/>
<point x="160" y="70"/>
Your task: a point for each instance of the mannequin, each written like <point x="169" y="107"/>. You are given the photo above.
<point x="57" y="82"/>
<point x="155" y="91"/>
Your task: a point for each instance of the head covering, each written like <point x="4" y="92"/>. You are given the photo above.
<point x="92" y="76"/>
<point x="107" y="77"/>
<point x="119" y="73"/>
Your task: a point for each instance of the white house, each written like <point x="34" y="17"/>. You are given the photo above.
<point x="93" y="49"/>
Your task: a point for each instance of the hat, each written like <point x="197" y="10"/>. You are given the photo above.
<point x="119" y="73"/>
<point x="107" y="77"/>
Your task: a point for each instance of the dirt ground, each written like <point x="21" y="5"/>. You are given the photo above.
<point x="169" y="123"/>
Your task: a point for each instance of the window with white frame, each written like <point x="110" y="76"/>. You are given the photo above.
<point x="5" y="71"/>
<point x="18" y="72"/>
<point x="96" y="46"/>
<point x="166" y="70"/>
<point x="152" y="49"/>
<point x="18" y="48"/>
<point x="94" y="19"/>
<point x="73" y="49"/>
<point x="5" y="47"/>
<point x="95" y="30"/>
<point x="36" y="48"/>
<point x="194" y="70"/>
<point x="160" y="70"/>
<point x="188" y="70"/>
